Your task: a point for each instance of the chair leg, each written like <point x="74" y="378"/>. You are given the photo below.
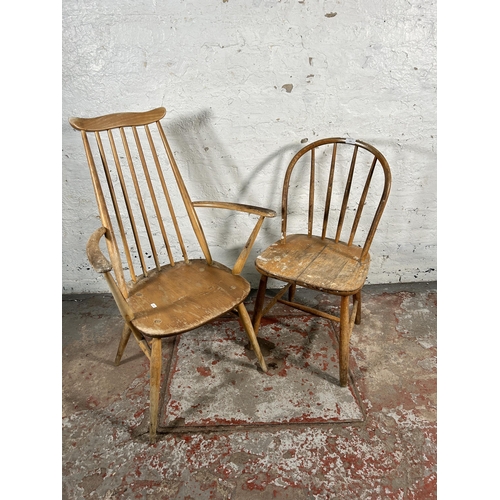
<point x="154" y="388"/>
<point x="259" y="304"/>
<point x="141" y="340"/>
<point x="247" y="323"/>
<point x="357" y="297"/>
<point x="291" y="292"/>
<point x="344" y="340"/>
<point x="123" y="343"/>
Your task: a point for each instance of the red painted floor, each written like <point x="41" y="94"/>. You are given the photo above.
<point x="237" y="433"/>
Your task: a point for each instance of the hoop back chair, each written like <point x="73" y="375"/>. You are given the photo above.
<point x="159" y="290"/>
<point x="326" y="256"/>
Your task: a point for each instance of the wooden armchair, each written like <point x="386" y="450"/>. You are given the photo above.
<point x="333" y="264"/>
<point x="159" y="291"/>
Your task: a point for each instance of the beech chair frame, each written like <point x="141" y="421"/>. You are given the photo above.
<point x="333" y="265"/>
<point x="158" y="300"/>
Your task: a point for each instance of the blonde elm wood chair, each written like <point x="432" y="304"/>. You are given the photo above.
<point x="356" y="175"/>
<point x="159" y="290"/>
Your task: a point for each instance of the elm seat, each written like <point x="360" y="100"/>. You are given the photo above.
<point x="164" y="305"/>
<point x="312" y="262"/>
<point x="336" y="178"/>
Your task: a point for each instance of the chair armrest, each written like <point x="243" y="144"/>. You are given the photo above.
<point x="239" y="207"/>
<point x="94" y="254"/>
<point x="102" y="265"/>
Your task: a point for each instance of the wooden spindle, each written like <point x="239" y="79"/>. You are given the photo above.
<point x="105" y="219"/>
<point x="362" y="201"/>
<point x="329" y="192"/>
<point x="152" y="193"/>
<point x="139" y="197"/>
<point x="240" y="262"/>
<point x="127" y="203"/>
<point x="114" y="200"/>
<point x="346" y="195"/>
<point x="168" y="200"/>
<point x="376" y="219"/>
<point x="311" y="193"/>
<point x="193" y="216"/>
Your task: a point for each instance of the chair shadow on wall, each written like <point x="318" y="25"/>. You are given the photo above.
<point x="197" y="146"/>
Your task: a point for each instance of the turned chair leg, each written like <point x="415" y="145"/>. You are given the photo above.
<point x="154" y="388"/>
<point x="247" y="324"/>
<point x="344" y="340"/>
<point x="259" y="304"/>
<point x="123" y="343"/>
<point x="357" y="297"/>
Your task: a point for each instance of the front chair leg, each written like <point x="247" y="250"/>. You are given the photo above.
<point x="154" y="388"/>
<point x="344" y="340"/>
<point x="247" y="324"/>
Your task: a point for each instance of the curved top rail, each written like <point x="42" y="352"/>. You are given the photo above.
<point x="342" y="140"/>
<point x="116" y="120"/>
<point x="378" y="158"/>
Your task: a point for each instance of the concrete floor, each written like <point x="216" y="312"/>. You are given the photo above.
<point x="236" y="433"/>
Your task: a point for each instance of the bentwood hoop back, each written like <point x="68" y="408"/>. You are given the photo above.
<point x="344" y="185"/>
<point x="159" y="290"/>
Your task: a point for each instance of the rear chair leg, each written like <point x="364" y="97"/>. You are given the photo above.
<point x="123" y="343"/>
<point x="357" y="297"/>
<point x="259" y="304"/>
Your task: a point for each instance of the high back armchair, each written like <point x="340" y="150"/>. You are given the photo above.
<point x="141" y="197"/>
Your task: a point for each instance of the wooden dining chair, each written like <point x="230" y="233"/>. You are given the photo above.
<point x="141" y="198"/>
<point x="344" y="180"/>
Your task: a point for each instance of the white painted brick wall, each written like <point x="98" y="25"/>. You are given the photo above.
<point x="244" y="82"/>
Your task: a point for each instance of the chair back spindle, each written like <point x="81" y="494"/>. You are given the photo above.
<point x="312" y="180"/>
<point x="131" y="179"/>
<point x="329" y="192"/>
